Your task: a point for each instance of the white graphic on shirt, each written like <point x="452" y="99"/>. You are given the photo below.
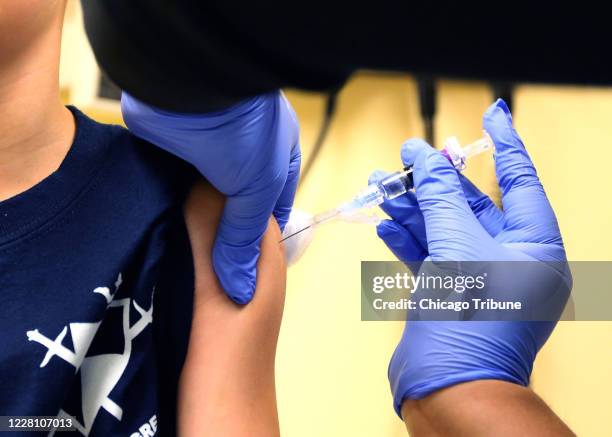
<point x="99" y="373"/>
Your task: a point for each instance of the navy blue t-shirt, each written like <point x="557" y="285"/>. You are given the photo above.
<point x="81" y="254"/>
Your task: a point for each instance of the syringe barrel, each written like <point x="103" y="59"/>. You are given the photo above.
<point x="396" y="184"/>
<point x="376" y="193"/>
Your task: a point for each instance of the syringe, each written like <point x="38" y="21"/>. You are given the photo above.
<point x="398" y="183"/>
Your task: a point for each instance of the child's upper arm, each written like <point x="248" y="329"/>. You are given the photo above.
<point x="227" y="383"/>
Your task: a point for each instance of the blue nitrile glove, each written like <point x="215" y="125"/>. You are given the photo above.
<point x="250" y="152"/>
<point x="449" y="219"/>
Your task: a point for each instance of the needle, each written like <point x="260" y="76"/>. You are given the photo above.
<point x="295" y="233"/>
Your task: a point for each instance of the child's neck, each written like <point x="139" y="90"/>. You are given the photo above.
<point x="36" y="130"/>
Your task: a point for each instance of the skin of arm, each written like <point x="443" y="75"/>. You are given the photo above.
<point x="227" y="384"/>
<point x="482" y="408"/>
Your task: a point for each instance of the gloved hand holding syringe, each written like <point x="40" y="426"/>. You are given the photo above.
<point x="390" y="187"/>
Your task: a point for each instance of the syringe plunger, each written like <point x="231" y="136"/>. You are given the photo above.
<point x="458" y="155"/>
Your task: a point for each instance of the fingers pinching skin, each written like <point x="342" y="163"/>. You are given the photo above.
<point x="289" y="123"/>
<point x="282" y="210"/>
<point x="236" y="248"/>
<point x="250" y="153"/>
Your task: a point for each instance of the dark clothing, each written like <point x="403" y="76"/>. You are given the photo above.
<point x="198" y="56"/>
<point x="84" y="272"/>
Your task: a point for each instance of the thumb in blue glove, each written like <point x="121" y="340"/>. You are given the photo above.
<point x="250" y="152"/>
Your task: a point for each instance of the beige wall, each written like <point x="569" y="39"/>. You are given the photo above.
<point x="331" y="366"/>
<point x="569" y="132"/>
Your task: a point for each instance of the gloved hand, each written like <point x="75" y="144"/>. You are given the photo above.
<point x="449" y="219"/>
<point x="250" y="152"/>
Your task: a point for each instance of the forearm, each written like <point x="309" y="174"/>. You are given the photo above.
<point x="227" y="384"/>
<point x="482" y="408"/>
